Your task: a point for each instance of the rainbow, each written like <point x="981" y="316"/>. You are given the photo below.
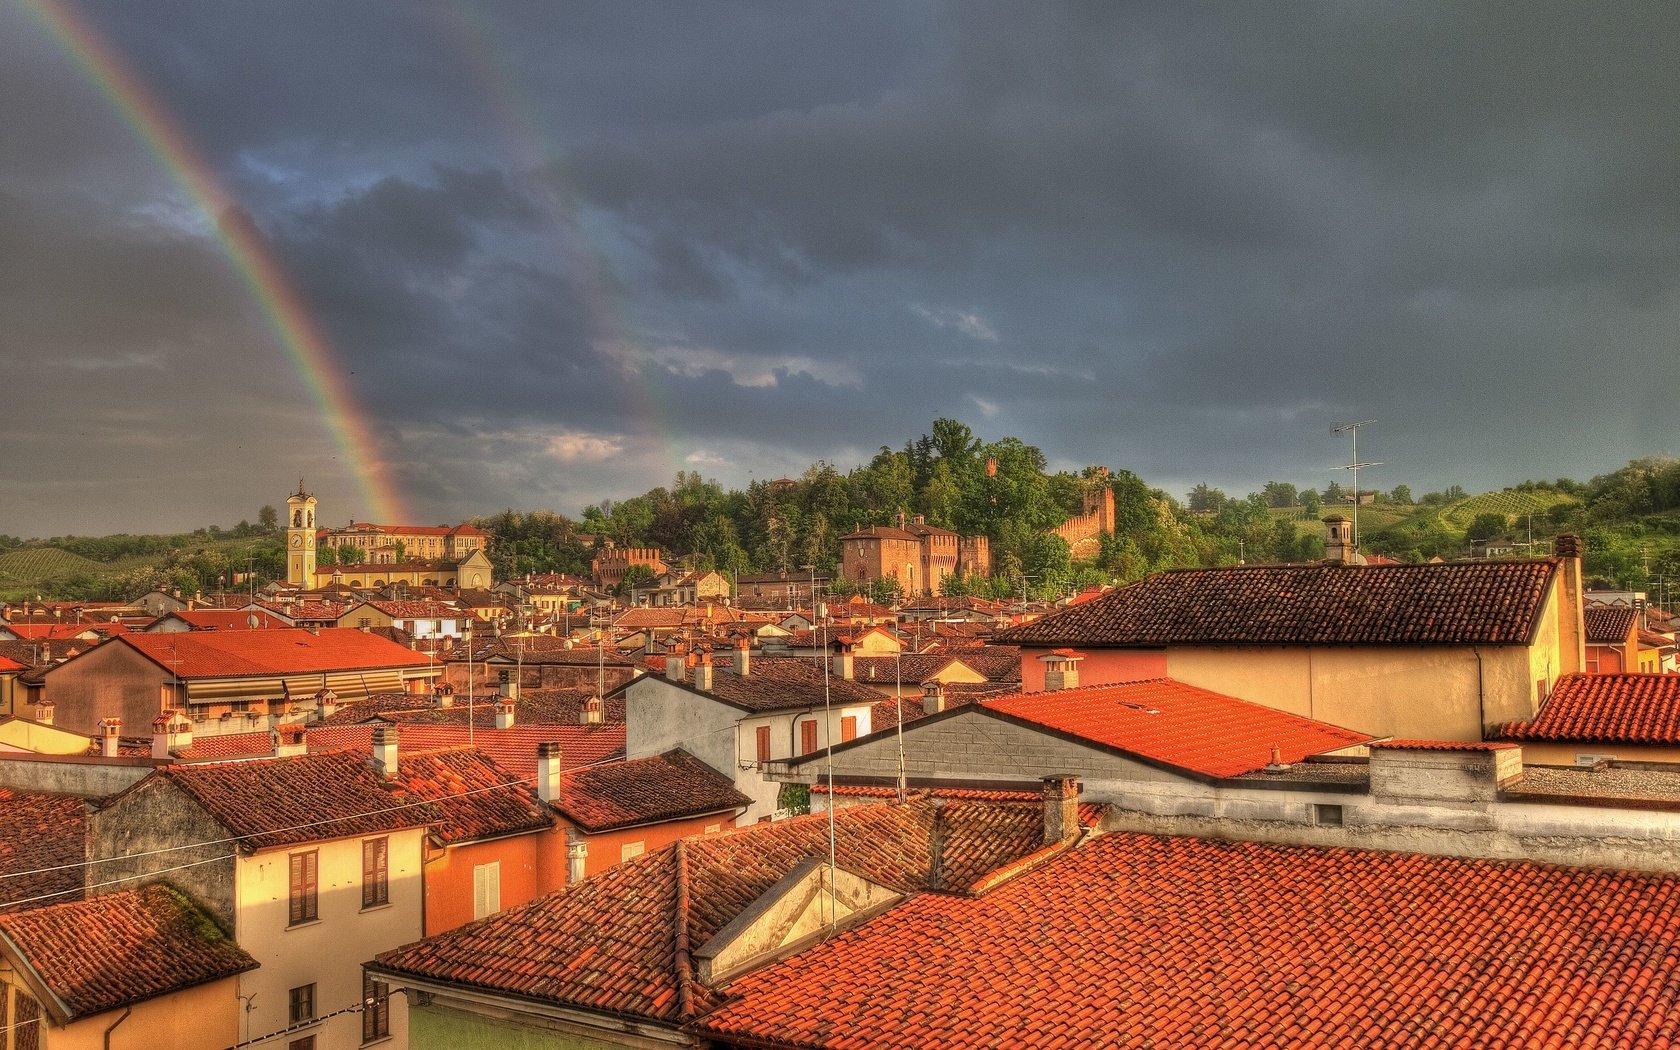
<point x="285" y="310"/>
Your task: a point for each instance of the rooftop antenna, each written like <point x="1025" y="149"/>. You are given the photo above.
<point x="1352" y="430"/>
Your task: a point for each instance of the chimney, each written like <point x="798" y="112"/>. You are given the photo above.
<point x="844" y="664"/>
<point x="1572" y="631"/>
<point x="504" y="713"/>
<point x="703" y="673"/>
<point x="743" y="657"/>
<point x="1061" y="669"/>
<point x="110" y="730"/>
<point x="385" y="750"/>
<point x="933" y="697"/>
<point x="577" y="853"/>
<point x="288" y="741"/>
<point x="548" y="771"/>
<point x="591" y="713"/>
<point x="507" y="683"/>
<point x="1061" y="809"/>
<point x="326" y="703"/>
<point x="443" y="695"/>
<point x="44" y="710"/>
<point x="171" y="731"/>
<point x="674" y="662"/>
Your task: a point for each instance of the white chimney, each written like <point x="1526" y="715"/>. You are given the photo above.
<point x="507" y="683"/>
<point x="44" y="711"/>
<point x="385" y="750"/>
<point x="591" y="715"/>
<point x="577" y="854"/>
<point x="171" y="731"/>
<point x="674" y="666"/>
<point x="1061" y="669"/>
<point x="326" y="703"/>
<point x="703" y="673"/>
<point x="444" y="695"/>
<point x="504" y="713"/>
<point x="548" y="771"/>
<point x="288" y="741"/>
<point x="844" y="664"/>
<point x="933" y="697"/>
<point x="743" y="657"/>
<point x="110" y="731"/>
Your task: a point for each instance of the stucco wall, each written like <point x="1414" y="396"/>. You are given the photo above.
<point x="531" y="865"/>
<point x="438" y="1027"/>
<point x="156" y="815"/>
<point x="205" y="1017"/>
<point x="1100" y="666"/>
<point x="111" y="681"/>
<point x="71" y="775"/>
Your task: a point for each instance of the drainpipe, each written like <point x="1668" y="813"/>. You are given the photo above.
<point x="1481" y="693"/>
<point x="126" y="1011"/>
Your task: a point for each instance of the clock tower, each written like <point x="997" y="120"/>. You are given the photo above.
<point x="300" y="538"/>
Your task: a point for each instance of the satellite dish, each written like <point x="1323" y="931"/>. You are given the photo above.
<point x="251" y="621"/>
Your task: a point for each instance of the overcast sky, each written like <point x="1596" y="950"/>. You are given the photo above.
<point x="561" y="251"/>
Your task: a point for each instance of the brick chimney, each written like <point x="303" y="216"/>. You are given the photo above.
<point x="845" y="664"/>
<point x="504" y="713"/>
<point x="743" y="657"/>
<point x="933" y="697"/>
<point x="591" y="714"/>
<point x="1061" y="809"/>
<point x="703" y="673"/>
<point x="110" y="732"/>
<point x="44" y="711"/>
<point x="548" y="771"/>
<point x="1572" y="629"/>
<point x="385" y="750"/>
<point x="1338" y="542"/>
<point x="1061" y="669"/>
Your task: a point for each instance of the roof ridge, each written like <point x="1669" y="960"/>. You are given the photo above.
<point x="682" y="958"/>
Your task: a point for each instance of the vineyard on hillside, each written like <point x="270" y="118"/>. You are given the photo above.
<point x="1513" y="504"/>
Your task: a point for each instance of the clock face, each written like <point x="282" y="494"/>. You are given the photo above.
<point x="297" y="541"/>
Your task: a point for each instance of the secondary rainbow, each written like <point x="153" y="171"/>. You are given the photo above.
<point x="285" y="310"/>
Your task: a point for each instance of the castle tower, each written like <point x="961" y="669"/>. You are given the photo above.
<point x="300" y="538"/>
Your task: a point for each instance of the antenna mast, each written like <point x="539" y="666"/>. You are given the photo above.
<point x="1352" y="430"/>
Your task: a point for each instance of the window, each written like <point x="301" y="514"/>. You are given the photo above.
<point x="848" y="727"/>
<point x="763" y="744"/>
<point x="1327" y="816"/>
<point x="807" y="737"/>
<point x="304" y="902"/>
<point x="300" y="1004"/>
<point x="376" y="877"/>
<point x="631" y="849"/>
<point x="306" y="1043"/>
<point x="376" y="1009"/>
<point x="487" y="889"/>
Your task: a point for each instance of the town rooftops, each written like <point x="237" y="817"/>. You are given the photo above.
<point x="623" y="942"/>
<point x="782" y="684"/>
<point x="1172" y="724"/>
<point x="98" y="954"/>
<point x="224" y="619"/>
<point x="1629" y="708"/>
<point x="1452" y="603"/>
<point x="645" y="790"/>
<point x="288" y="651"/>
<point x="1138" y="939"/>
<point x="471" y="796"/>
<point x="43" y="842"/>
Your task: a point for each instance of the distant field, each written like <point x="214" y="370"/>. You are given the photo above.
<point x="1515" y="504"/>
<point x="40" y="564"/>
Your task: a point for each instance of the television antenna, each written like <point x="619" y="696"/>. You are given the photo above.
<point x="1352" y="430"/>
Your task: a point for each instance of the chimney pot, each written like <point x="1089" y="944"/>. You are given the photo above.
<point x="44" y="712"/>
<point x="743" y="657"/>
<point x="703" y="673"/>
<point x="933" y="697"/>
<point x="504" y="713"/>
<point x="844" y="664"/>
<point x="110" y="732"/>
<point x="549" y="761"/>
<point x="385" y="750"/>
<point x="591" y="715"/>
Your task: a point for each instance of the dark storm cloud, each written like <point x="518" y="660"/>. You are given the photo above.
<point x="562" y="252"/>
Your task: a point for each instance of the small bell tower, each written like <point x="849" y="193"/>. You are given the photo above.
<point x="300" y="538"/>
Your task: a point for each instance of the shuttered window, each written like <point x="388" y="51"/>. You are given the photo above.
<point x="848" y="727"/>
<point x="304" y="897"/>
<point x="376" y="881"/>
<point x="376" y="1009"/>
<point x="807" y="737"/>
<point x="487" y="889"/>
<point x="763" y="744"/>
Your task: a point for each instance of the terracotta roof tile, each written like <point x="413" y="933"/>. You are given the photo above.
<point x="781" y="683"/>
<point x="473" y="797"/>
<point x="109" y="951"/>
<point x="1609" y="624"/>
<point x="1438" y="745"/>
<point x="611" y="943"/>
<point x="218" y="654"/>
<point x="1627" y="708"/>
<point x="1187" y="942"/>
<point x="1178" y="725"/>
<point x="1453" y="603"/>
<point x="41" y="831"/>
<point x="645" y="790"/>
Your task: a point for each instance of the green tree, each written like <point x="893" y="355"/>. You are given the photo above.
<point x="268" y="519"/>
<point x="1279" y="494"/>
<point x="1204" y="499"/>
<point x="1490" y="525"/>
<point x="1402" y="494"/>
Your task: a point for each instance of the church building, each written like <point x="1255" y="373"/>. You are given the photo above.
<point x="381" y="554"/>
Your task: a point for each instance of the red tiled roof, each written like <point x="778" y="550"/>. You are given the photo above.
<point x="8" y="664"/>
<point x="226" y="619"/>
<point x="419" y="610"/>
<point x="284" y="801"/>
<point x="473" y="797"/>
<point x="40" y="834"/>
<point x="56" y="631"/>
<point x="781" y="683"/>
<point x="1178" y="942"/>
<point x="232" y="654"/>
<point x="1452" y="603"/>
<point x="119" y="948"/>
<point x="515" y="749"/>
<point x="644" y="791"/>
<point x="1438" y="745"/>
<point x="1609" y="624"/>
<point x="620" y="942"/>
<point x="1090" y="813"/>
<point x="1629" y="708"/>
<point x="1178" y="725"/>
